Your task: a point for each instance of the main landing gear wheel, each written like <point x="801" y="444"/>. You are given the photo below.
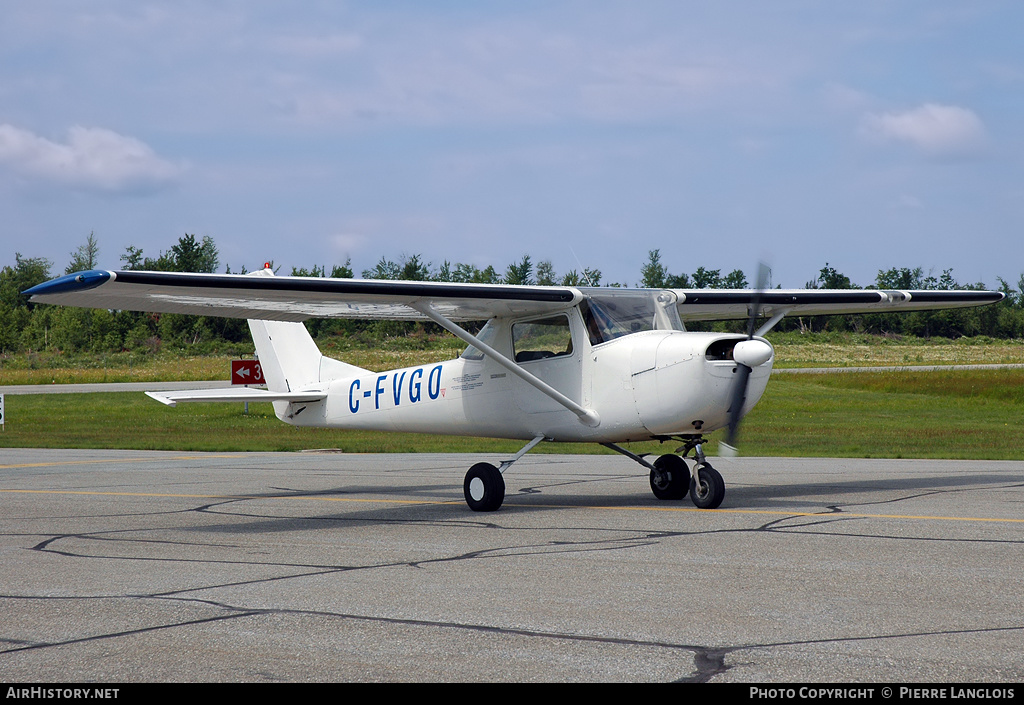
<point x="707" y="490"/>
<point x="671" y="479"/>
<point x="484" y="488"/>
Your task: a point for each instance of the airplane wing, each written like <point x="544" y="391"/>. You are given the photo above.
<point x="720" y="304"/>
<point x="273" y="298"/>
<point x="263" y="296"/>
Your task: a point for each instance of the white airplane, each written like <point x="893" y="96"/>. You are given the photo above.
<point x="554" y="363"/>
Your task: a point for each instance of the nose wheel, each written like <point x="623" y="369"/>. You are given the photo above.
<point x="707" y="488"/>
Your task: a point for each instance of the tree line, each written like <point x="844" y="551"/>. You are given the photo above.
<point x="28" y="327"/>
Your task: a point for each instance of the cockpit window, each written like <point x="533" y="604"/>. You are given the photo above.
<point x="611" y="314"/>
<point x="541" y="338"/>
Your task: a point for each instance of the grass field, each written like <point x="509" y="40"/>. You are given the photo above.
<point x="792" y="350"/>
<point x="974" y="414"/>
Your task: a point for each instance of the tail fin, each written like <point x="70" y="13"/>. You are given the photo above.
<point x="289" y="358"/>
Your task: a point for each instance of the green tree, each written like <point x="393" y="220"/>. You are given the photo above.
<point x="829" y="278"/>
<point x="546" y="273"/>
<point x="735" y="279"/>
<point x="414" y="269"/>
<point x="85" y="257"/>
<point x="343" y="271"/>
<point x="188" y="255"/>
<point x="677" y="281"/>
<point x="133" y="259"/>
<point x="16" y="313"/>
<point x="317" y="271"/>
<point x="487" y="275"/>
<point x="26" y="273"/>
<point x="902" y="278"/>
<point x="410" y="268"/>
<point x="521" y="272"/>
<point x="385" y="269"/>
<point x="653" y="274"/>
<point x="707" y="278"/>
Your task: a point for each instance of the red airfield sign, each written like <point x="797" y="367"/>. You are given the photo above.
<point x="246" y="372"/>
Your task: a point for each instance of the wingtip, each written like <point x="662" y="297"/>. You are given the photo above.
<point x="79" y="281"/>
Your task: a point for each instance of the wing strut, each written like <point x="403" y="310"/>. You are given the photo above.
<point x="588" y="417"/>
<point x="771" y="322"/>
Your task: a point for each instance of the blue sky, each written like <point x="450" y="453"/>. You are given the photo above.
<point x="867" y="135"/>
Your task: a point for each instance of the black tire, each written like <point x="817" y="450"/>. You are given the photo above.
<point x="484" y="488"/>
<point x="674" y="479"/>
<point x="711" y="491"/>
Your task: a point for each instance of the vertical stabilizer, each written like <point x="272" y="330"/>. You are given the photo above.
<point x="289" y="358"/>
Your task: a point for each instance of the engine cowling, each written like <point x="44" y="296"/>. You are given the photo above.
<point x="683" y="381"/>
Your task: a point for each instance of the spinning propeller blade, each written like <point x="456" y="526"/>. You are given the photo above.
<point x="727" y="447"/>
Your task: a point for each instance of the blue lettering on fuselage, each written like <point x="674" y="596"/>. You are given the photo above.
<point x="414" y="385"/>
<point x="396" y="387"/>
<point x="353" y="404"/>
<point x="413" y="392"/>
<point x="434" y="387"/>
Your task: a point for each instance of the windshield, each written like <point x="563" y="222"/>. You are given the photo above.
<point x="611" y="314"/>
<point x="485" y="336"/>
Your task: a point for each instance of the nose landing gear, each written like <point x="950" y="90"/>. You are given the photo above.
<point x="707" y="488"/>
<point x="671" y="479"/>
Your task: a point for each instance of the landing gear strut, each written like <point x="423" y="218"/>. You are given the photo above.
<point x="707" y="488"/>
<point x="484" y="487"/>
<point x="670" y="478"/>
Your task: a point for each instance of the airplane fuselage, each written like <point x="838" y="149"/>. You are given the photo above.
<point x="644" y="385"/>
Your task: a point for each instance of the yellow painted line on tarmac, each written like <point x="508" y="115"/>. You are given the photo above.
<point x="368" y="500"/>
<point x="170" y="495"/>
<point x="13" y="466"/>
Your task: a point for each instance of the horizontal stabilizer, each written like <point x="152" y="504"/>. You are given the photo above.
<point x="235" y="395"/>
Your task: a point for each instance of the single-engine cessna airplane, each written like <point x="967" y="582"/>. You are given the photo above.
<point x="556" y="363"/>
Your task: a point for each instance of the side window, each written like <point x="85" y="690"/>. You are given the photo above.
<point x="543" y="338"/>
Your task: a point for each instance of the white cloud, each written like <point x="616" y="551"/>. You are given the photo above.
<point x="936" y="130"/>
<point x="94" y="159"/>
<point x="907" y="202"/>
<point x="317" y="47"/>
<point x="347" y="242"/>
<point x="844" y="99"/>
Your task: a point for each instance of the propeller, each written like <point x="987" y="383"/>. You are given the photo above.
<point x="748" y="354"/>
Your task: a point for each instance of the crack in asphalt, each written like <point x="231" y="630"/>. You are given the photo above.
<point x="708" y="661"/>
<point x="126" y="632"/>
